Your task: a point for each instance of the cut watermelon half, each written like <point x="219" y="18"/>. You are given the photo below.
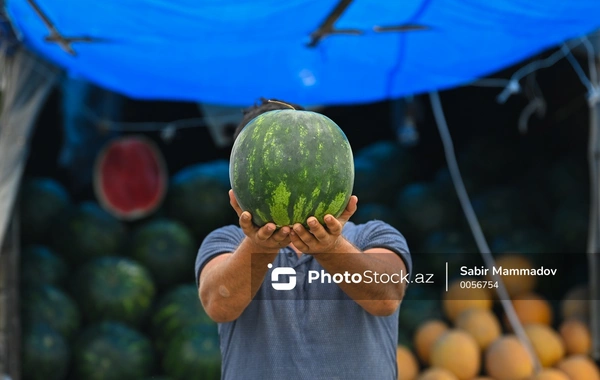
<point x="131" y="177"/>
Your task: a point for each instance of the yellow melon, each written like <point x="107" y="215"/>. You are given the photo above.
<point x="458" y="352"/>
<point x="579" y="367"/>
<point x="508" y="359"/>
<point x="408" y="366"/>
<point x="575" y="304"/>
<point x="459" y="298"/>
<point x="515" y="285"/>
<point x="482" y="324"/>
<point x="546" y="343"/>
<point x="550" y="374"/>
<point x="576" y="336"/>
<point x="531" y="308"/>
<point x="425" y="337"/>
<point x="437" y="374"/>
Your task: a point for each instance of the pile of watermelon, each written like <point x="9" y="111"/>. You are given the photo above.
<point x="105" y="297"/>
<point x="109" y="296"/>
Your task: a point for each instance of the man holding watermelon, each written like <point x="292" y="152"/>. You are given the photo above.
<point x="309" y="330"/>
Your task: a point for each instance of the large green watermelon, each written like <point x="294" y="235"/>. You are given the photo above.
<point x="491" y="159"/>
<point x="176" y="310"/>
<point x="45" y="354"/>
<point x="85" y="232"/>
<point x="287" y="165"/>
<point x="49" y="305"/>
<point x="446" y="188"/>
<point x="166" y="248"/>
<point x="568" y="177"/>
<point x="528" y="240"/>
<point x="112" y="351"/>
<point x="448" y="245"/>
<point x="198" y="197"/>
<point x="570" y="224"/>
<point x="114" y="288"/>
<point x="374" y="181"/>
<point x="194" y="354"/>
<point x="500" y="210"/>
<point x="537" y="195"/>
<point x="41" y="201"/>
<point x="423" y="205"/>
<point x="40" y="265"/>
<point x="376" y="211"/>
<point x="366" y="173"/>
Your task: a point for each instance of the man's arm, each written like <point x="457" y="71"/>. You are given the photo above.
<point x="338" y="255"/>
<point x="380" y="299"/>
<point x="229" y="281"/>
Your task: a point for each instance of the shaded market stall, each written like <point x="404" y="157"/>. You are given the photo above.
<point x="310" y="52"/>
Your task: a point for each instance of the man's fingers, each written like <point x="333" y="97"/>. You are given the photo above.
<point x="298" y="243"/>
<point x="303" y="234"/>
<point x="317" y="229"/>
<point x="282" y="234"/>
<point x="350" y="209"/>
<point x="333" y="225"/>
<point x="233" y="202"/>
<point x="266" y="231"/>
<point x="246" y="223"/>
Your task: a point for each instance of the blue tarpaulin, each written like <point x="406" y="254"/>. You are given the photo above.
<point x="232" y="52"/>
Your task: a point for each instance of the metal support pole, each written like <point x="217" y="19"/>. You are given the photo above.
<point x="594" y="248"/>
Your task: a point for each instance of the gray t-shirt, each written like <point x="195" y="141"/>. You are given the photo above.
<point x="313" y="331"/>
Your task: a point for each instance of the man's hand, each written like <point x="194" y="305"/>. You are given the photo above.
<point x="265" y="238"/>
<point x="321" y="239"/>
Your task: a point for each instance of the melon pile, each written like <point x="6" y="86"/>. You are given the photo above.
<point x="138" y="233"/>
<point x="108" y="294"/>
<point x="530" y="196"/>
<point x="472" y="338"/>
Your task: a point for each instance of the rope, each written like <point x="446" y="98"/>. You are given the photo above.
<point x="476" y="228"/>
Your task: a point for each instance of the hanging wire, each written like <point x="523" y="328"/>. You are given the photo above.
<point x="578" y="70"/>
<point x="593" y="146"/>
<point x="536" y="105"/>
<point x="513" y="85"/>
<point x="152" y="126"/>
<point x="591" y="84"/>
<point x="591" y="54"/>
<point x="476" y="228"/>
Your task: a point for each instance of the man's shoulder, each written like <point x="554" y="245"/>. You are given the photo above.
<point x="231" y="233"/>
<point x="231" y="229"/>
<point x="351" y="228"/>
<point x="375" y="233"/>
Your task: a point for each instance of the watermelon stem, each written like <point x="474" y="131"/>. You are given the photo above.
<point x="282" y="103"/>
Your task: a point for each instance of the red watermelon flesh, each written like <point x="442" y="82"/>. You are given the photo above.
<point x="131" y="177"/>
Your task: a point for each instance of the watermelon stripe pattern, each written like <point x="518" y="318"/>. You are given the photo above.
<point x="288" y="165"/>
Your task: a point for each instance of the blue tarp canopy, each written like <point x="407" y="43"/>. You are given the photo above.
<point x="231" y="52"/>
